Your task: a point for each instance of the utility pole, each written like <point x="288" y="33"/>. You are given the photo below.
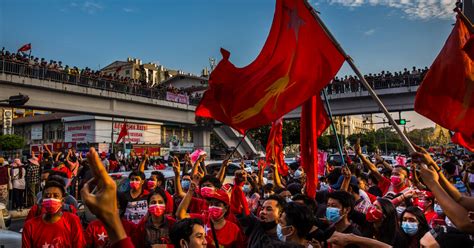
<point x="112" y="137"/>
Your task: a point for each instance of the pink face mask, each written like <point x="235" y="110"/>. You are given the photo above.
<point x="207" y="191"/>
<point x="396" y="180"/>
<point x="51" y="205"/>
<point x="135" y="184"/>
<point x="215" y="212"/>
<point x="157" y="209"/>
<point x="151" y="184"/>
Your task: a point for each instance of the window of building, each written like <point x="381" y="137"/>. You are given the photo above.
<point x="51" y="135"/>
<point x="60" y="134"/>
<point x="127" y="72"/>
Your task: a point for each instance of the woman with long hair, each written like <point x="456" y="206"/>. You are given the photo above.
<point x="414" y="225"/>
<point x="384" y="223"/>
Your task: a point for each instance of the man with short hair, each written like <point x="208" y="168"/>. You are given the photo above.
<point x="54" y="228"/>
<point x="133" y="202"/>
<point x="338" y="208"/>
<point x="294" y="224"/>
<point x="188" y="233"/>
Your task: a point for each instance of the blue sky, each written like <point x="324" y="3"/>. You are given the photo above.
<point x="183" y="34"/>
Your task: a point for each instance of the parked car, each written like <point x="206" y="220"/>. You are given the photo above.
<point x="7" y="219"/>
<point x="10" y="239"/>
<point x="335" y="159"/>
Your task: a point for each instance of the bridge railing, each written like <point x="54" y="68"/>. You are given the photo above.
<point x="90" y="81"/>
<point x="340" y="87"/>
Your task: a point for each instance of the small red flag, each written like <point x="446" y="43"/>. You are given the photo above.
<point x="123" y="132"/>
<point x="314" y="120"/>
<point x="275" y="148"/>
<point x="446" y="95"/>
<point x="296" y="62"/>
<point x="25" y="48"/>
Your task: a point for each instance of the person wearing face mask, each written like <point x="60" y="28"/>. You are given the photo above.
<point x="54" y="228"/>
<point x="414" y="226"/>
<point x="339" y="206"/>
<point x="188" y="233"/>
<point x="133" y="202"/>
<point x="381" y="223"/>
<point x="262" y="230"/>
<point x="294" y="224"/>
<point x="220" y="232"/>
<point x="440" y="217"/>
<point x="399" y="176"/>
<point x="157" y="181"/>
<point x="154" y="228"/>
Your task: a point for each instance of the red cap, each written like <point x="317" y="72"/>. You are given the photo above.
<point x="220" y="195"/>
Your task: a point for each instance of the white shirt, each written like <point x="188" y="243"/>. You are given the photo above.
<point x="17" y="182"/>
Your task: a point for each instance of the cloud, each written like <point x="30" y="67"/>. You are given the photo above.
<point x="91" y="7"/>
<point x="413" y="9"/>
<point x="369" y="32"/>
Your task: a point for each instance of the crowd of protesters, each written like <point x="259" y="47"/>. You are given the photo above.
<point x="365" y="203"/>
<point x="24" y="64"/>
<point x="382" y="80"/>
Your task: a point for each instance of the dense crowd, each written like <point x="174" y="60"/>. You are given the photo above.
<point x="426" y="203"/>
<point x="382" y="80"/>
<point x="27" y="65"/>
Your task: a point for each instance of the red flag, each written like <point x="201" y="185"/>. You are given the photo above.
<point x="314" y="121"/>
<point x="25" y="48"/>
<point x="446" y="95"/>
<point x="275" y="147"/>
<point x="296" y="62"/>
<point x="123" y="132"/>
<point x="461" y="140"/>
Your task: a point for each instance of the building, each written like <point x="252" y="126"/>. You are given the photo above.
<point x="348" y="125"/>
<point x="133" y="68"/>
<point x="61" y="131"/>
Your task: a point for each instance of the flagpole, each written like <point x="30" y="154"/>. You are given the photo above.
<point x="362" y="79"/>
<point x="333" y="127"/>
<point x="235" y="148"/>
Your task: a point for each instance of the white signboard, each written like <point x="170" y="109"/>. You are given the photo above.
<point x="139" y="133"/>
<point x="80" y="132"/>
<point x="37" y="132"/>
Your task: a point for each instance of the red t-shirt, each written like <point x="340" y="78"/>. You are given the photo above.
<point x="96" y="235"/>
<point x="385" y="185"/>
<point x="66" y="232"/>
<point x="228" y="236"/>
<point x="430" y="215"/>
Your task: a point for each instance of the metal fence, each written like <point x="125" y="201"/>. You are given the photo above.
<point x="44" y="73"/>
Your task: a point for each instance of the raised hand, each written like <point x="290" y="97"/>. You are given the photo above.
<point x="346" y="172"/>
<point x="422" y="156"/>
<point x="357" y="147"/>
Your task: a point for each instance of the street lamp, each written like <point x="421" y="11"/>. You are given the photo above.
<point x="17" y="100"/>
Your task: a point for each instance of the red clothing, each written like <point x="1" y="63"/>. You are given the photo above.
<point x="113" y="165"/>
<point x="66" y="232"/>
<point x="36" y="210"/>
<point x="65" y="170"/>
<point x="169" y="203"/>
<point x="96" y="235"/>
<point x="228" y="236"/>
<point x="372" y="198"/>
<point x="430" y="215"/>
<point x="385" y="185"/>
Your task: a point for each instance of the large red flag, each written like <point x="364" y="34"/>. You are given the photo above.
<point x="446" y="95"/>
<point x="123" y="132"/>
<point x="275" y="147"/>
<point x="314" y="120"/>
<point x="296" y="62"/>
<point x="25" y="48"/>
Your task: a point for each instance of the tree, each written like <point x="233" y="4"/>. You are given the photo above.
<point x="11" y="142"/>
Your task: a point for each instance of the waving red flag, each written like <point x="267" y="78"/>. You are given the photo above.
<point x="25" y="48"/>
<point x="275" y="148"/>
<point x="314" y="120"/>
<point x="296" y="62"/>
<point x="446" y="95"/>
<point x="123" y="132"/>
